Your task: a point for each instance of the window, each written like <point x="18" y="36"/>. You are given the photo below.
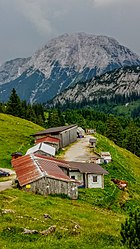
<point x="72" y="177"/>
<point x="79" y="177"/>
<point x="94" y="178"/>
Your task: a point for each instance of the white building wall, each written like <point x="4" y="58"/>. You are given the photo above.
<point x="98" y="184"/>
<point x="78" y="176"/>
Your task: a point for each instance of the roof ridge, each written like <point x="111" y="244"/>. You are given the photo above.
<point x="37" y="164"/>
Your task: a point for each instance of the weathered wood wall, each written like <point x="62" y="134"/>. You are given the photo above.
<point x="69" y="136"/>
<point x="46" y="186"/>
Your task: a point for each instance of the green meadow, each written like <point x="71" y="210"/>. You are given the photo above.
<point x="14" y="136"/>
<point x="92" y="221"/>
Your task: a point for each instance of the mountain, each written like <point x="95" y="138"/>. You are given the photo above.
<point x="10" y="70"/>
<point x="123" y="81"/>
<point x="61" y="63"/>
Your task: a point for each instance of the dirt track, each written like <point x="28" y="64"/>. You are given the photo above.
<point x="79" y="152"/>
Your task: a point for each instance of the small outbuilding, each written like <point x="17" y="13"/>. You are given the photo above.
<point x="92" y="142"/>
<point x="66" y="134"/>
<point x="90" y="131"/>
<point x="43" y="149"/>
<point x="106" y="156"/>
<point x="42" y="176"/>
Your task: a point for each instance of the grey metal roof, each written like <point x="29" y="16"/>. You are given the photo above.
<point x="54" y="130"/>
<point x="92" y="140"/>
<point x="88" y="168"/>
<point x="42" y="147"/>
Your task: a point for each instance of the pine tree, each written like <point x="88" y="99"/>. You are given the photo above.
<point x="130" y="231"/>
<point x="14" y="105"/>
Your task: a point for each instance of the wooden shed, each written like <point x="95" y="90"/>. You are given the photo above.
<point x="42" y="176"/>
<point x="66" y="134"/>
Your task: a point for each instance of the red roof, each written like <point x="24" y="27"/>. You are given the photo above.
<point x="26" y="169"/>
<point x="52" y="169"/>
<point x="57" y="161"/>
<point x="48" y="140"/>
<point x="30" y="168"/>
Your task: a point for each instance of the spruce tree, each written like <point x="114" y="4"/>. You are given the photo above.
<point x="14" y="105"/>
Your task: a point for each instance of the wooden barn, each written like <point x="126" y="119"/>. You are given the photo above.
<point x="66" y="134"/>
<point x="42" y="176"/>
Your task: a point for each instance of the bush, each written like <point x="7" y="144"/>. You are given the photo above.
<point x="130" y="231"/>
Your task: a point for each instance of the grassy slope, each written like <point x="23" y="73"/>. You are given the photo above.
<point x="98" y="229"/>
<point x="124" y="165"/>
<point x="14" y="136"/>
<point x="98" y="212"/>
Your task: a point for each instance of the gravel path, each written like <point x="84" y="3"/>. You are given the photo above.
<point x="79" y="151"/>
<point x="7" y="184"/>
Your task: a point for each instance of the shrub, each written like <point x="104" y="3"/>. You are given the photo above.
<point x="130" y="231"/>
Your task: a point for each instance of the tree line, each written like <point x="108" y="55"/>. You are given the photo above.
<point x="18" y="108"/>
<point x="124" y="131"/>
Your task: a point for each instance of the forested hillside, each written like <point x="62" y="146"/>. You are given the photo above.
<point x="124" y="131"/>
<point x="118" y="125"/>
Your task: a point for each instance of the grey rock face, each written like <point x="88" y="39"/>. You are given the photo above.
<point x="62" y="63"/>
<point x="123" y="81"/>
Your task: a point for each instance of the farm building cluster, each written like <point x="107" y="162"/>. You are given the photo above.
<point x="38" y="171"/>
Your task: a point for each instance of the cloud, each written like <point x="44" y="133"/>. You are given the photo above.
<point x="36" y="13"/>
<point x="105" y="3"/>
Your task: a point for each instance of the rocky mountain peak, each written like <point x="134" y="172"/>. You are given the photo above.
<point x="61" y="63"/>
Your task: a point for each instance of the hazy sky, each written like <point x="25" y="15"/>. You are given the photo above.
<point x="26" y="25"/>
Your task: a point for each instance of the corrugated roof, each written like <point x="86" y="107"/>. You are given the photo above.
<point x="42" y="147"/>
<point x="88" y="168"/>
<point x="54" y="130"/>
<point x="51" y="169"/>
<point x="27" y="170"/>
<point x="57" y="161"/>
<point x="82" y="167"/>
<point x="48" y="140"/>
<point x="30" y="168"/>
